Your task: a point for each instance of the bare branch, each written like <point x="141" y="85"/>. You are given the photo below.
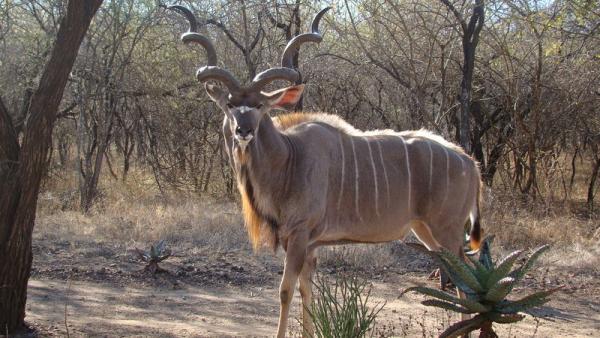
<point x="456" y="13"/>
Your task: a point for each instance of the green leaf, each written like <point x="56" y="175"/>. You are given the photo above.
<point x="446" y="305"/>
<point x="520" y="272"/>
<point x="463" y="327"/>
<point x="528" y="302"/>
<point x="460" y="269"/>
<point x="503" y="268"/>
<point x="500" y="290"/>
<point x="485" y="257"/>
<point x="469" y="304"/>
<point x="160" y="246"/>
<point x="505" y="318"/>
<point x="445" y="266"/>
<point x="481" y="272"/>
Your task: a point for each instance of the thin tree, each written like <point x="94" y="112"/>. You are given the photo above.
<point x="470" y="38"/>
<point x="23" y="162"/>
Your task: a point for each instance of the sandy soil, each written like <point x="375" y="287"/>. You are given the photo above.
<point x="98" y="289"/>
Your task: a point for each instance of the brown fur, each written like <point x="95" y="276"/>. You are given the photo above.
<point x="252" y="219"/>
<point x="284" y="141"/>
<point x="286" y="121"/>
<point x="261" y="229"/>
<point x="476" y="230"/>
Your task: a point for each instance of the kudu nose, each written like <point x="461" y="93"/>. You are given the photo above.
<point x="243" y="132"/>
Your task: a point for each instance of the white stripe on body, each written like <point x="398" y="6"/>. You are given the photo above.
<point x="429" y="192"/>
<point x="341" y="192"/>
<point x="462" y="163"/>
<point x="430" y="182"/>
<point x="447" y="180"/>
<point x="468" y="191"/>
<point x="356" y="180"/>
<point x="387" y="182"/>
<point x="408" y="171"/>
<point x="374" y="177"/>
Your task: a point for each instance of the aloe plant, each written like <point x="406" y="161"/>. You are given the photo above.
<point x="157" y="253"/>
<point x="486" y="285"/>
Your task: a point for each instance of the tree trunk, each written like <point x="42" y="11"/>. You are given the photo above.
<point x="22" y="167"/>
<point x="487" y="331"/>
<point x="470" y="39"/>
<point x="590" y="192"/>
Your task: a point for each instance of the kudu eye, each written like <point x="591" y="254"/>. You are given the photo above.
<point x="258" y="106"/>
<point x="230" y="106"/>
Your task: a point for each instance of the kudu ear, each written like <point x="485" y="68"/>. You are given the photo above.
<point x="215" y="92"/>
<point x="285" y="98"/>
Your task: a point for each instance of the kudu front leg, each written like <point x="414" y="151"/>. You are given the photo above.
<point x="310" y="263"/>
<point x="294" y="260"/>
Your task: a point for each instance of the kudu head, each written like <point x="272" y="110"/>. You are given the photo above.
<point x="245" y="106"/>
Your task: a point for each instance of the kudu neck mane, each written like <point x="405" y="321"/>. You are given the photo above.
<point x="269" y="150"/>
<point x="263" y="169"/>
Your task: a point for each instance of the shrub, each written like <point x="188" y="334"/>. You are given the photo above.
<point x="340" y="308"/>
<point x="486" y="286"/>
<point x="157" y="253"/>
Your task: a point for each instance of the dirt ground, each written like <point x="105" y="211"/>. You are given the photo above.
<point x="98" y="289"/>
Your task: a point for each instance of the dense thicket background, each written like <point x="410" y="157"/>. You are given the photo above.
<point x="132" y="107"/>
<point x="136" y="153"/>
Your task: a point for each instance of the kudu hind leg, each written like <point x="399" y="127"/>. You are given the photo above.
<point x="424" y="234"/>
<point x="294" y="260"/>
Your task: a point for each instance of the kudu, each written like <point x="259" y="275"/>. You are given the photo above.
<point x="308" y="180"/>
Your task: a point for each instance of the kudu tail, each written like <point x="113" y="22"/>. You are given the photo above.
<point x="476" y="231"/>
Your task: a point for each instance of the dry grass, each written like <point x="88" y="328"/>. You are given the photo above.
<point x="135" y="214"/>
<point x="518" y="224"/>
<point x="135" y="211"/>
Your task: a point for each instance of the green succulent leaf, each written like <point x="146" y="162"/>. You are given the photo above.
<point x="533" y="300"/>
<point x="160" y="246"/>
<point x="519" y="273"/>
<point x="505" y="318"/>
<point x="500" y="290"/>
<point x="485" y="256"/>
<point x="463" y="327"/>
<point x="446" y="267"/>
<point x="460" y="270"/>
<point x="469" y="304"/>
<point x="503" y="268"/>
<point x="446" y="306"/>
<point x="481" y="272"/>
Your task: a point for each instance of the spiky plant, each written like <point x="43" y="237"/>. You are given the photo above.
<point x="341" y="309"/>
<point x="158" y="252"/>
<point x="486" y="285"/>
